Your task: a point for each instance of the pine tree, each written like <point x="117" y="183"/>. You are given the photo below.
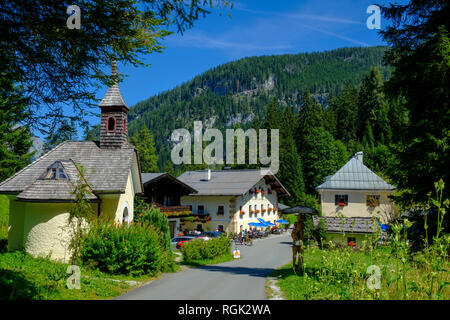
<point x="168" y="168"/>
<point x="145" y="145"/>
<point x="321" y="156"/>
<point x="368" y="140"/>
<point x="310" y="116"/>
<point x="345" y="108"/>
<point x="373" y="107"/>
<point x="273" y="116"/>
<point x="64" y="132"/>
<point x="291" y="173"/>
<point x="15" y="139"/>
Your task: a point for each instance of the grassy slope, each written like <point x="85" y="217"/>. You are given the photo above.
<point x="25" y="277"/>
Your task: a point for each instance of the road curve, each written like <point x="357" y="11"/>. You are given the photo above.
<point x="242" y="279"/>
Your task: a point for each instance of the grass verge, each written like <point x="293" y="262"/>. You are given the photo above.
<point x="343" y="275"/>
<point x="23" y="277"/>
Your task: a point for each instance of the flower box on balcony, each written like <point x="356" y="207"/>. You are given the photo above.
<point x="205" y="220"/>
<point x="190" y="219"/>
<point x="242" y="212"/>
<point x="269" y="209"/>
<point x="341" y="204"/>
<point x="263" y="210"/>
<point x="258" y="191"/>
<point x="251" y="211"/>
<point x="256" y="211"/>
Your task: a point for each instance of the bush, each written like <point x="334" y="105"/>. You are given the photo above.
<point x="155" y="217"/>
<point x="201" y="250"/>
<point x="126" y="249"/>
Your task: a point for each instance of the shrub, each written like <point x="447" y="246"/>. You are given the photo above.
<point x="200" y="249"/>
<point x="126" y="249"/>
<point x="159" y="220"/>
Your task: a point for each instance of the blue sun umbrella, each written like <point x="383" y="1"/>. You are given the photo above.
<point x="266" y="223"/>
<point x="282" y="221"/>
<point x="256" y="224"/>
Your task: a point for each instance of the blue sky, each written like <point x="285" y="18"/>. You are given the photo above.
<point x="257" y="27"/>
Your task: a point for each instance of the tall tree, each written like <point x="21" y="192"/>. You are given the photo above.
<point x="168" y="168"/>
<point x="64" y="131"/>
<point x="420" y="55"/>
<point x="345" y="108"/>
<point x="291" y="173"/>
<point x="145" y="145"/>
<point x="373" y="107"/>
<point x="55" y="63"/>
<point x="310" y="116"/>
<point x="272" y="119"/>
<point x="15" y="139"/>
<point x="321" y="157"/>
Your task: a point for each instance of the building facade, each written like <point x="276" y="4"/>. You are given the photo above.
<point x="164" y="191"/>
<point x="355" y="191"/>
<point x="228" y="200"/>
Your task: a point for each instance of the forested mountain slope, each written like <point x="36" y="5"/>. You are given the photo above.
<point x="239" y="91"/>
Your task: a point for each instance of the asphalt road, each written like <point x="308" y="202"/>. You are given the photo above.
<point x="240" y="279"/>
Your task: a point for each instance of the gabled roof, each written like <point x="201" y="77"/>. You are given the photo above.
<point x="148" y="178"/>
<point x="105" y="170"/>
<point x="348" y="225"/>
<point x="354" y="175"/>
<point x="58" y="190"/>
<point x="230" y="182"/>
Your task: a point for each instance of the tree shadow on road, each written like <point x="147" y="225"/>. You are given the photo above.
<point x="253" y="272"/>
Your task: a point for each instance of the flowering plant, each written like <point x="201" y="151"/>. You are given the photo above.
<point x="242" y="212"/>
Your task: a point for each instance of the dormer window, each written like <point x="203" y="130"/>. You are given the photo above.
<point x="54" y="172"/>
<point x="111" y="124"/>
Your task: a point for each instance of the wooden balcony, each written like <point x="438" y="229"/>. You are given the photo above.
<point x="175" y="211"/>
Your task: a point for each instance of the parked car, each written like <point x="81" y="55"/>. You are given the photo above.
<point x="175" y="240"/>
<point x="180" y="243"/>
<point x="211" y="234"/>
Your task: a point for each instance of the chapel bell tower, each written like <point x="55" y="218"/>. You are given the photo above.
<point x="113" y="123"/>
